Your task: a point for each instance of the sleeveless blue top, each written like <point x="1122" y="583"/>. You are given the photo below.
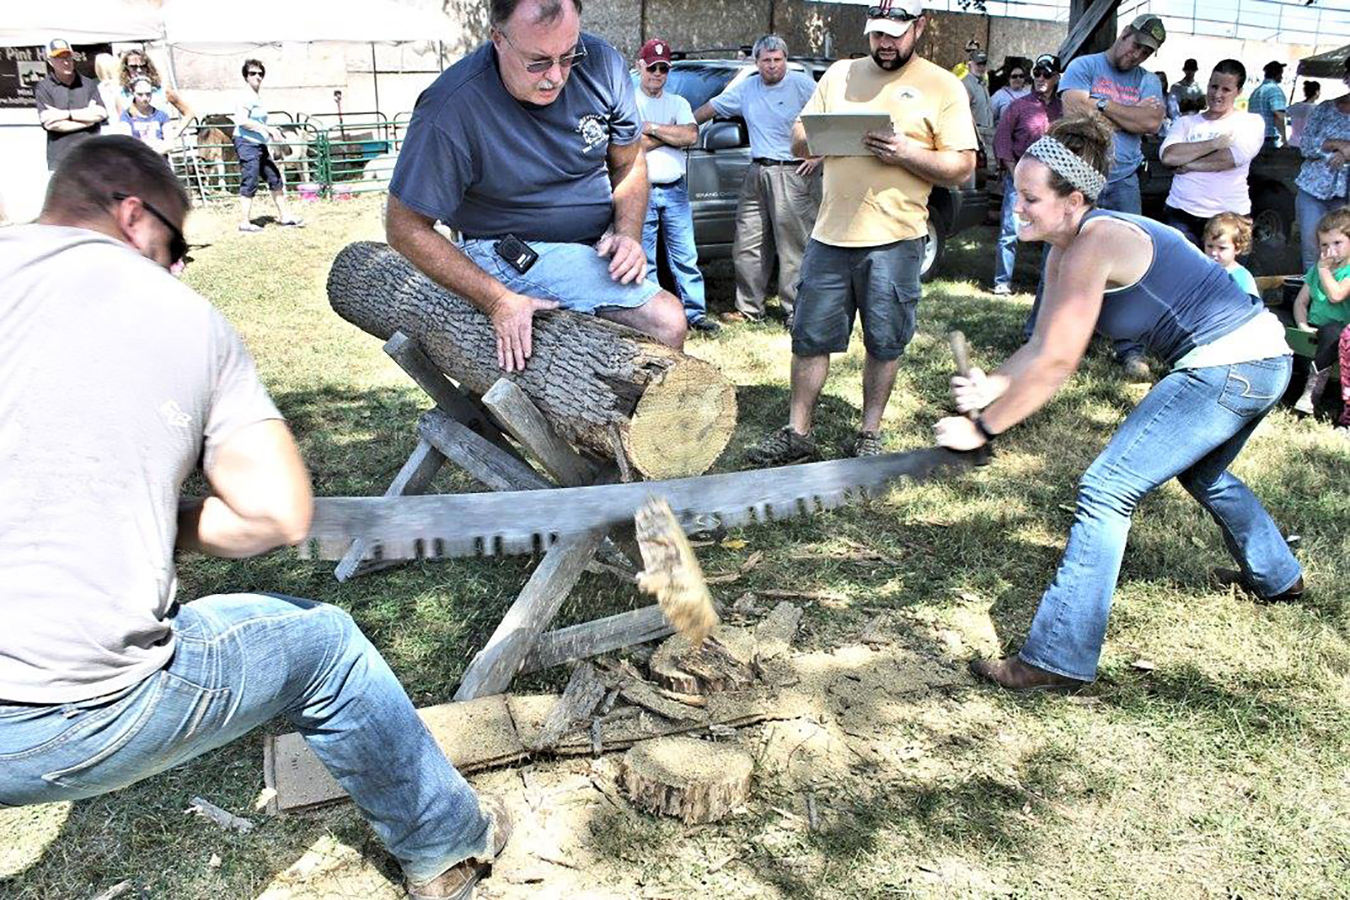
<point x="1184" y="300"/>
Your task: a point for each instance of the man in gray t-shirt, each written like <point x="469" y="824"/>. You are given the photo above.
<point x="780" y="195"/>
<point x="117" y="381"/>
<point x="533" y="139"/>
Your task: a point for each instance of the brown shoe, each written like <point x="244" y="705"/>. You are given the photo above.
<point x="457" y="882"/>
<point x="736" y="317"/>
<point x="1014" y="675"/>
<point x="1234" y="578"/>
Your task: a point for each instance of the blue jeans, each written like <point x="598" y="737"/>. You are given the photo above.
<point x="240" y="660"/>
<point x="668" y="210"/>
<point x="1119" y="196"/>
<point x="1310" y="210"/>
<point x="1190" y="426"/>
<point x="1006" y="257"/>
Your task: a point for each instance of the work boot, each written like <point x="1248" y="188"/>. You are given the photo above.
<point x="736" y="317"/>
<point x="1014" y="675"/>
<point x="1312" y="390"/>
<point x="866" y="443"/>
<point x="1234" y="578"/>
<point x="705" y="325"/>
<point x="458" y="881"/>
<point x="781" y="448"/>
<point x="1136" y="368"/>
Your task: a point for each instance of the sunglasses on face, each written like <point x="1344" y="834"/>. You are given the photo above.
<point x="1017" y="75"/>
<point x="1042" y="73"/>
<point x="137" y="66"/>
<point x="141" y="95"/>
<point x="540" y="66"/>
<point x="255" y="73"/>
<point x="178" y="245"/>
<point x="895" y="15"/>
<point x="659" y="68"/>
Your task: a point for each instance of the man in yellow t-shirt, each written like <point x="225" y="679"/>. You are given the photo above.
<point x="867" y="246"/>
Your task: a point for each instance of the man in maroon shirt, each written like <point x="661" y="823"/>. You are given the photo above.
<point x="1020" y="126"/>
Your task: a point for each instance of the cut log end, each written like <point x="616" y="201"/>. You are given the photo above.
<point x="683" y="421"/>
<point x="692" y="780"/>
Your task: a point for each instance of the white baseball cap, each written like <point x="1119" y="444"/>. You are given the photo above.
<point x="892" y="17"/>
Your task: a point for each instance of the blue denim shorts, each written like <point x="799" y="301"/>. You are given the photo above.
<point x="879" y="283"/>
<point x="572" y="274"/>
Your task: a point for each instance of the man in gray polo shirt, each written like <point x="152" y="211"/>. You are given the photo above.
<point x="69" y="105"/>
<point x="781" y="194"/>
<point x="530" y="148"/>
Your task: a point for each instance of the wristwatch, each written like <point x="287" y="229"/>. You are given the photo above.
<point x="1101" y="104"/>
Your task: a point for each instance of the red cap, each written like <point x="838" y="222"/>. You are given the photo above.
<point x="655" y="50"/>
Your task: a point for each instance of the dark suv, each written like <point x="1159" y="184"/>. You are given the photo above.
<point x="717" y="164"/>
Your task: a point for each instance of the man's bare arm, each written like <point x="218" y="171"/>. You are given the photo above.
<point x="1143" y="118"/>
<point x="628" y="180"/>
<point x="704" y="113"/>
<point x="678" y="136"/>
<point x="260" y="499"/>
<point x="411" y="234"/>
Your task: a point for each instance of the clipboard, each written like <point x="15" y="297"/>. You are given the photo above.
<point x="841" y="134"/>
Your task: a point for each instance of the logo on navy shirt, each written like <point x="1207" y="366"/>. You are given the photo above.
<point x="592" y="131"/>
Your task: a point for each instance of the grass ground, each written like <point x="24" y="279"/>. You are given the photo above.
<point x="1211" y="759"/>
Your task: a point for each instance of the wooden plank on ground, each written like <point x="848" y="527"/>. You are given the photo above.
<point x="414" y="478"/>
<point x="589" y="639"/>
<point x="579" y="699"/>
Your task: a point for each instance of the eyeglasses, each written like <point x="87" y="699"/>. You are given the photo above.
<point x="1042" y="73"/>
<point x="142" y="94"/>
<point x="132" y="65"/>
<point x="895" y="15"/>
<point x="1017" y="75"/>
<point x="659" y="68"/>
<point x="257" y="73"/>
<point x="178" y="245"/>
<point x="540" y="66"/>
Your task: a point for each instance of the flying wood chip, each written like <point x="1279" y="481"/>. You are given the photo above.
<point x="672" y="571"/>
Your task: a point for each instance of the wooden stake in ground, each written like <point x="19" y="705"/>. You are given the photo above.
<point x="689" y="779"/>
<point x="590" y="378"/>
<point x="672" y="572"/>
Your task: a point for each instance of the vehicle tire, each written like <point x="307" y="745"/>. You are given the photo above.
<point x="933" y="249"/>
<point x="1272" y="215"/>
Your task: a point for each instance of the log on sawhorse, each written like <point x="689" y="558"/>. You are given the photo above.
<point x="471" y="433"/>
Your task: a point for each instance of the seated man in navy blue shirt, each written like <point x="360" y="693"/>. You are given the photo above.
<point x="535" y="136"/>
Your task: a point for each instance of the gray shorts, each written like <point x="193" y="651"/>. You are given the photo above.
<point x="880" y="283"/>
<point x="572" y="274"/>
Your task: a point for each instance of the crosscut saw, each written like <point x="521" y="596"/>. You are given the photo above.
<point x="505" y="522"/>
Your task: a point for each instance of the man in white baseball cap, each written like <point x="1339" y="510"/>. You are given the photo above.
<point x="866" y="249"/>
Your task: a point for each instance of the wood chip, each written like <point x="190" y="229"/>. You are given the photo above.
<point x="208" y="810"/>
<point x="812" y="814"/>
<point x="801" y="595"/>
<point x="1143" y="665"/>
<point x="582" y="695"/>
<point x="774" y="634"/>
<point x="646" y="696"/>
<point x="874" y="632"/>
<point x="117" y="890"/>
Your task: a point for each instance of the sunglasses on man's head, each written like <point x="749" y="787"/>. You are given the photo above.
<point x="178" y="245"/>
<point x="895" y="15"/>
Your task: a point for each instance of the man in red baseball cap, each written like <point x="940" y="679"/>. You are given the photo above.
<point x="668" y="127"/>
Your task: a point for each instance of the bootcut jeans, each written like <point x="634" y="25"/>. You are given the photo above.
<point x="1190" y="426"/>
<point x="238" y="661"/>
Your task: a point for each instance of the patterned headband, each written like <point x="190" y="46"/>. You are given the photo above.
<point x="1070" y="165"/>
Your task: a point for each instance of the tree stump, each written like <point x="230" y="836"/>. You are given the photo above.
<point x="592" y="378"/>
<point x="689" y="779"/>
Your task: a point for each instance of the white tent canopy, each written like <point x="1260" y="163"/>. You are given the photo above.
<point x="189" y="23"/>
<point x="27" y="23"/>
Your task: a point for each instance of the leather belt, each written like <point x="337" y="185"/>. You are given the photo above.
<point x="761" y="161"/>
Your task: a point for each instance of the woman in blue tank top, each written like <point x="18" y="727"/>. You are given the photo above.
<point x="1130" y="277"/>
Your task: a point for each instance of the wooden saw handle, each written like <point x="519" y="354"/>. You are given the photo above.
<point x="961" y="352"/>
